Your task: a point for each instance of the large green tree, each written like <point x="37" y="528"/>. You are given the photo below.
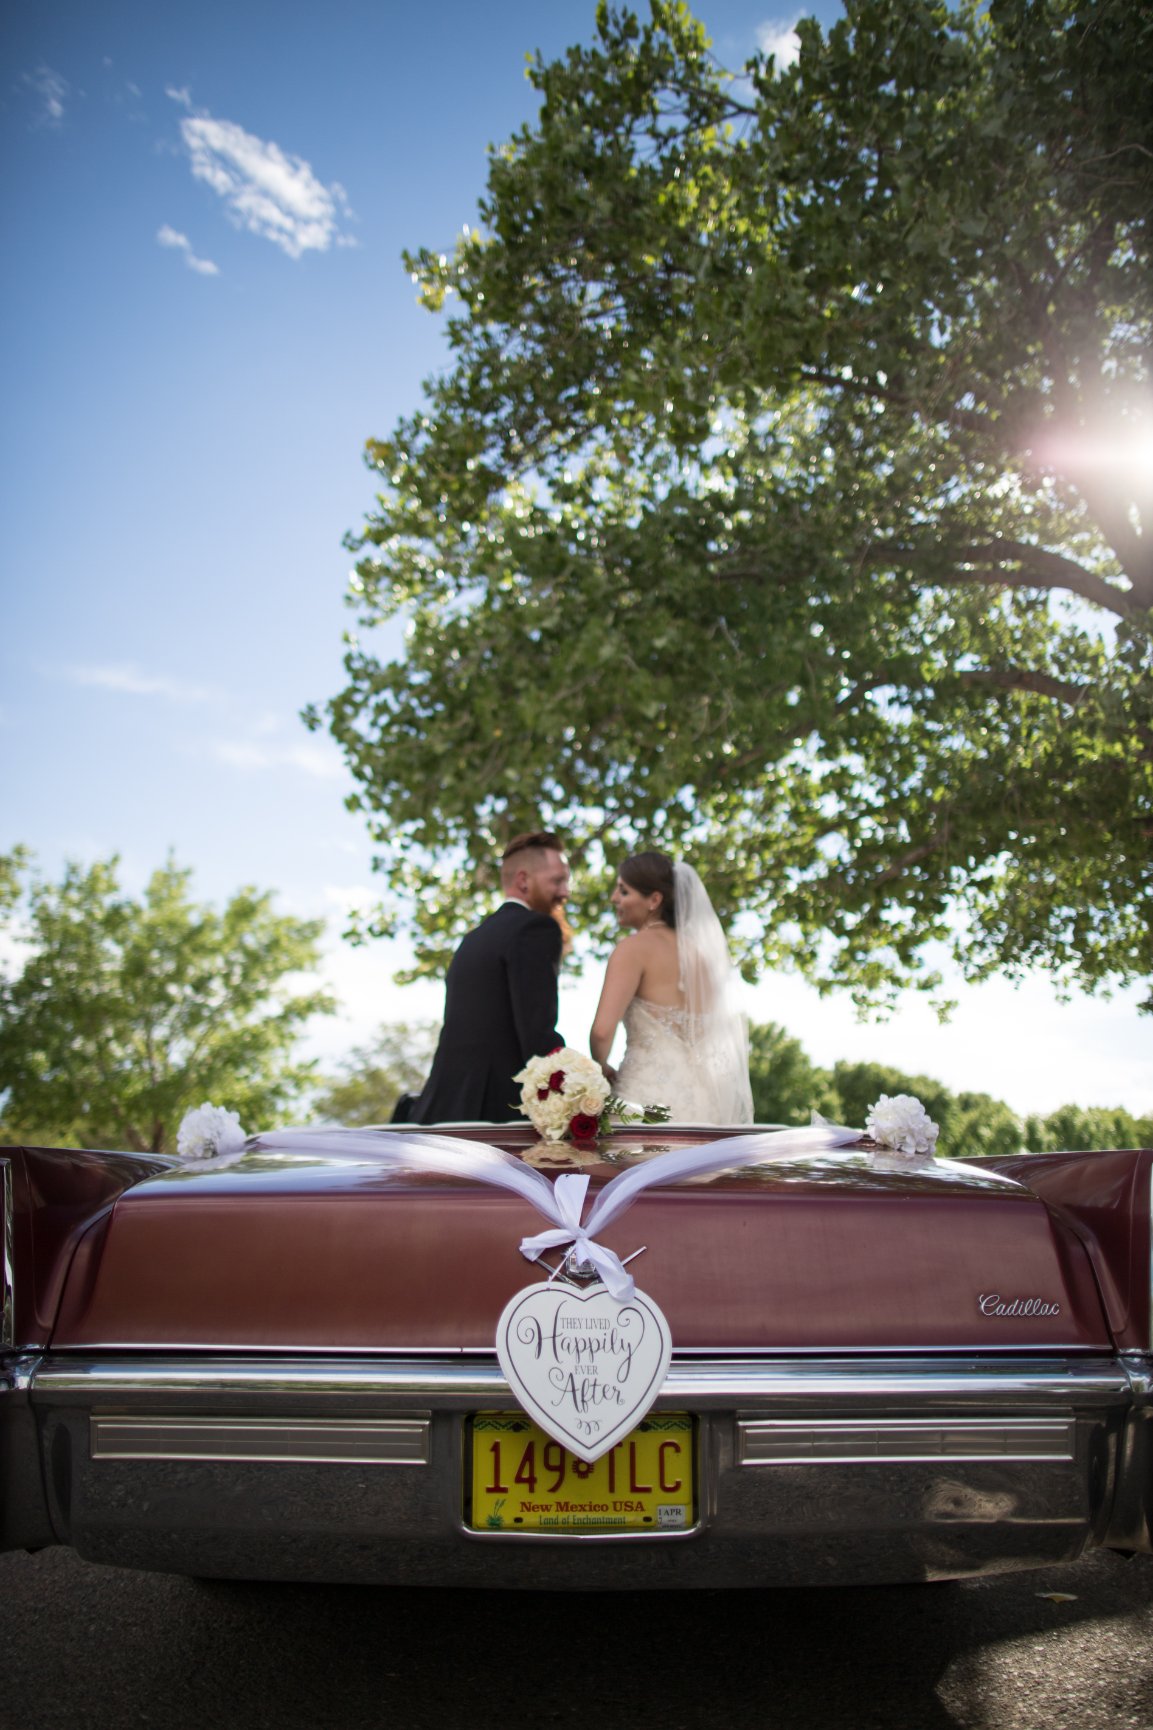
<point x="119" y="1015"/>
<point x="1094" y="1126"/>
<point x="789" y="498"/>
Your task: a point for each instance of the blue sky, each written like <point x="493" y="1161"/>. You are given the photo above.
<point x="203" y="315"/>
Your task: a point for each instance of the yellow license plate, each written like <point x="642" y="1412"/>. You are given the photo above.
<point x="517" y="1479"/>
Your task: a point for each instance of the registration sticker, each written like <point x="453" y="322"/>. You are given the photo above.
<point x="518" y="1479"/>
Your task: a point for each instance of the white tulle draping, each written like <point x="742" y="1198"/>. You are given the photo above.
<point x="562" y="1202"/>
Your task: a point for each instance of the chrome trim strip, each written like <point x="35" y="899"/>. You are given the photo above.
<point x="696" y="1384"/>
<point x="790" y="1441"/>
<point x="942" y="1380"/>
<point x="347" y="1441"/>
<point x="7" y="1259"/>
<point x="833" y="1348"/>
<point x="17" y="1374"/>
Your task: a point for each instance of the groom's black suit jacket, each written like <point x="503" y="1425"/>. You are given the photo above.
<point x="500" y="1009"/>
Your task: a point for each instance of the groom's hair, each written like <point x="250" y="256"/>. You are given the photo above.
<point x="536" y="841"/>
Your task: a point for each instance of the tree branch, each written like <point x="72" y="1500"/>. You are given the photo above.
<point x="1038" y="568"/>
<point x="967" y="419"/>
<point x="1101" y="501"/>
<point x="1027" y="679"/>
<point x="861" y="689"/>
<point x="914" y="855"/>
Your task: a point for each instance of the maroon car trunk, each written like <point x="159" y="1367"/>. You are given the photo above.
<point x="814" y="1255"/>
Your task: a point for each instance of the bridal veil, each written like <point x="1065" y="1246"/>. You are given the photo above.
<point x="708" y="979"/>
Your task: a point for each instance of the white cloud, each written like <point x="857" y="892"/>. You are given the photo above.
<point x="182" y="95"/>
<point x="265" y="190"/>
<point x="52" y="90"/>
<point x="350" y="898"/>
<point x="133" y="682"/>
<point x="323" y="762"/>
<point x="180" y="243"/>
<point x="778" y="36"/>
<point x="273" y="741"/>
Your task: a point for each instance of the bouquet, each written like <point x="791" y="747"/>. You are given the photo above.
<point x="564" y="1095"/>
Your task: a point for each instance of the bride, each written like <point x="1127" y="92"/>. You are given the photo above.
<point x="670" y="981"/>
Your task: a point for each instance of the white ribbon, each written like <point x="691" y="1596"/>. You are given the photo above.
<point x="448" y="1154"/>
<point x="561" y="1202"/>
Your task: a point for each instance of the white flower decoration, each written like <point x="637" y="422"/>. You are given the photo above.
<point x="210" y="1133"/>
<point x="902" y="1123"/>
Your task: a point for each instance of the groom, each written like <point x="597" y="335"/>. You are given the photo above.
<point x="500" y="1005"/>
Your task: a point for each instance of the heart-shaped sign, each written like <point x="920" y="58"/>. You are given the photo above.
<point x="585" y="1366"/>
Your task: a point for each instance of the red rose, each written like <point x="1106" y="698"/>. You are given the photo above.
<point x="556" y="1081"/>
<point x="554" y="1050"/>
<point x="542" y="1092"/>
<point x="582" y="1127"/>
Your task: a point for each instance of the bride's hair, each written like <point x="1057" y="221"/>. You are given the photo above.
<point x="650" y="874"/>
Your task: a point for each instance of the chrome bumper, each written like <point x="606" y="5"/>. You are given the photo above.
<point x="836" y="1471"/>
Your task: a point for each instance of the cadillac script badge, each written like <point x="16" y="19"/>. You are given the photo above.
<point x="991" y="1303"/>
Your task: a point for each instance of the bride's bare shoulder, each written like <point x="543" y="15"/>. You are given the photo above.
<point x="656" y="948"/>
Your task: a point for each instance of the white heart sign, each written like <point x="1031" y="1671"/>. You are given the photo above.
<point x="584" y="1365"/>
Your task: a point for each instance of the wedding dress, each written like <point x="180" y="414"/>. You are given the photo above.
<point x="693" y="1059"/>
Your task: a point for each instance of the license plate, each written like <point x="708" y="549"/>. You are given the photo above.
<point x="517" y="1479"/>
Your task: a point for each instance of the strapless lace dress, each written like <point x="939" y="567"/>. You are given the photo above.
<point x="670" y="1059"/>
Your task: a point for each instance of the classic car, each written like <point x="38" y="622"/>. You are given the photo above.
<point x="285" y="1369"/>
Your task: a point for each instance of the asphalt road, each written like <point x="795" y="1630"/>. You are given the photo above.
<point x="97" y="1648"/>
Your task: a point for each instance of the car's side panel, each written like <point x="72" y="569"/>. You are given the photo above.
<point x="56" y="1193"/>
<point x="49" y="1198"/>
<point x="1108" y="1200"/>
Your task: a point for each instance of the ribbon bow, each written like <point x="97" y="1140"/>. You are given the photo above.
<point x="569" y="1193"/>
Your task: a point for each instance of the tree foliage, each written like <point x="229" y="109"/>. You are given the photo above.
<point x="788" y="501"/>
<point x="787" y="1086"/>
<point x="374" y="1076"/>
<point x="119" y="1015"/>
<point x="1076" y="1127"/>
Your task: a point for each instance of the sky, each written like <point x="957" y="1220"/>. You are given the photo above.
<point x="203" y="316"/>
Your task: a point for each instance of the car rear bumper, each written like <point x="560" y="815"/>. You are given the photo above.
<point x="810" y="1471"/>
